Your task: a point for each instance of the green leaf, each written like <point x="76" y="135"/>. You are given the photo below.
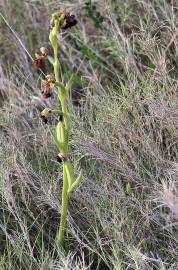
<point x="129" y="189"/>
<point x="72" y="77"/>
<point x="87" y="52"/>
<point x="77" y="182"/>
<point x="56" y="142"/>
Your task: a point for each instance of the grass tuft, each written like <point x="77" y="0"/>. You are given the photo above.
<point x="124" y="132"/>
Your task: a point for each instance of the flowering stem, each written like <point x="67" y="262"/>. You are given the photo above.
<point x="62" y="136"/>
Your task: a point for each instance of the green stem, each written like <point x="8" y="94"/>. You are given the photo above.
<point x="63" y="221"/>
<point x="65" y="112"/>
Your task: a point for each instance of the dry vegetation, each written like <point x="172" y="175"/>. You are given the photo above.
<point x="125" y="131"/>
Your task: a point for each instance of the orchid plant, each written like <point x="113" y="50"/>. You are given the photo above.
<point x="60" y="22"/>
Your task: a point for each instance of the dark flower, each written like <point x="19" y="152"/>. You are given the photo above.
<point x="69" y="22"/>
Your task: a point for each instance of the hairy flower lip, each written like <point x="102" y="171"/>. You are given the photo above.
<point x="44" y="119"/>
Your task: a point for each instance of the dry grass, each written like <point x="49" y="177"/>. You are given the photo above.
<point x="125" y="119"/>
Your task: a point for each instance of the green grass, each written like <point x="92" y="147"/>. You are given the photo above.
<point x="124" y="130"/>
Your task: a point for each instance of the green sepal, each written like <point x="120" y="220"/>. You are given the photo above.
<point x="60" y="136"/>
<point x="58" y="132"/>
<point x="53" y="39"/>
<point x="58" y="112"/>
<point x="57" y="143"/>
